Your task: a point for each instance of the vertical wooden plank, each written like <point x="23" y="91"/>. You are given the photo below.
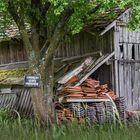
<point x="136" y="76"/>
<point x="112" y="67"/>
<point x="120" y="64"/>
<point x="125" y="29"/>
<point x="116" y="48"/>
<point x="133" y="76"/>
<point x="121" y="72"/>
<point x="139" y="76"/>
<point x="129" y="84"/>
<point x="125" y="72"/>
<point x="120" y="34"/>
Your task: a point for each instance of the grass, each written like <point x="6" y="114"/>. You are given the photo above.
<point x="21" y="129"/>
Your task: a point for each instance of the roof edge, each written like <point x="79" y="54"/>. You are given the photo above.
<point x="111" y="25"/>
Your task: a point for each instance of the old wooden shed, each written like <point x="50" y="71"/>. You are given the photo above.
<point x="107" y="38"/>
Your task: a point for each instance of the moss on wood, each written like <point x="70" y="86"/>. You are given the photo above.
<point x="13" y="77"/>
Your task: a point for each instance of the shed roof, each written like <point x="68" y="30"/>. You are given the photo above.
<point x="102" y="20"/>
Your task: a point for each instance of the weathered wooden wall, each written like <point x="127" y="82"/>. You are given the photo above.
<point x="78" y="45"/>
<point x="12" y="51"/>
<point x="82" y="43"/>
<point x="106" y="44"/>
<point x="128" y="63"/>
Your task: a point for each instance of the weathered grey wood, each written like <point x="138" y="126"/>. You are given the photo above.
<point x="129" y="77"/>
<point x="122" y="42"/>
<point x="98" y="64"/>
<point x="75" y="72"/>
<point x="132" y="82"/>
<point x="21" y="64"/>
<point x="86" y="100"/>
<point x="125" y="31"/>
<point x="125" y="60"/>
<point x="136" y="77"/>
<point x="114" y="22"/>
<point x="81" y="56"/>
<point x="121" y="77"/>
<point x="116" y="47"/>
<point x="112" y="66"/>
<point x="129" y="61"/>
<point x="124" y="92"/>
<point x="120" y="34"/>
<point x="139" y="74"/>
<point x="59" y="69"/>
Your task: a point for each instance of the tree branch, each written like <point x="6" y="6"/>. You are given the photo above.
<point x="45" y="8"/>
<point x="12" y="10"/>
<point x="57" y="36"/>
<point x="95" y="9"/>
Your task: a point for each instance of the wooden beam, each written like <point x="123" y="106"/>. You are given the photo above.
<point x="91" y="33"/>
<point x="75" y="72"/>
<point x="21" y="64"/>
<point x="86" y="100"/>
<point x="125" y="60"/>
<point x="96" y="65"/>
<point x="116" y="48"/>
<point x="65" y="59"/>
<point x="82" y="56"/>
<point x="113" y="23"/>
<point x="108" y="27"/>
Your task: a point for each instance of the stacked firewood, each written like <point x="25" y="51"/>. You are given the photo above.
<point x="89" y="89"/>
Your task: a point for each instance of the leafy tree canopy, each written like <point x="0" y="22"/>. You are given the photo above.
<point x="46" y="13"/>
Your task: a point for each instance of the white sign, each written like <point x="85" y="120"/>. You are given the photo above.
<point x="32" y="81"/>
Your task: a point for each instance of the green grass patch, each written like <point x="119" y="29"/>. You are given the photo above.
<point x="21" y="129"/>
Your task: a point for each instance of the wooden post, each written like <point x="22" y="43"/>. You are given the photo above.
<point x="116" y="49"/>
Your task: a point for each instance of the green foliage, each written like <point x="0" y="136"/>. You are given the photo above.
<point x="11" y="129"/>
<point x="82" y="12"/>
<point x="59" y="6"/>
<point x="4" y="16"/>
<point x="135" y="18"/>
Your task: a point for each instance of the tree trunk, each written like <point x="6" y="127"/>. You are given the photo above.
<point x="49" y="93"/>
<point x="42" y="97"/>
<point x="39" y="106"/>
<point x="40" y="63"/>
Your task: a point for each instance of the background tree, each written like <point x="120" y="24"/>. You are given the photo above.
<point x="50" y="21"/>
